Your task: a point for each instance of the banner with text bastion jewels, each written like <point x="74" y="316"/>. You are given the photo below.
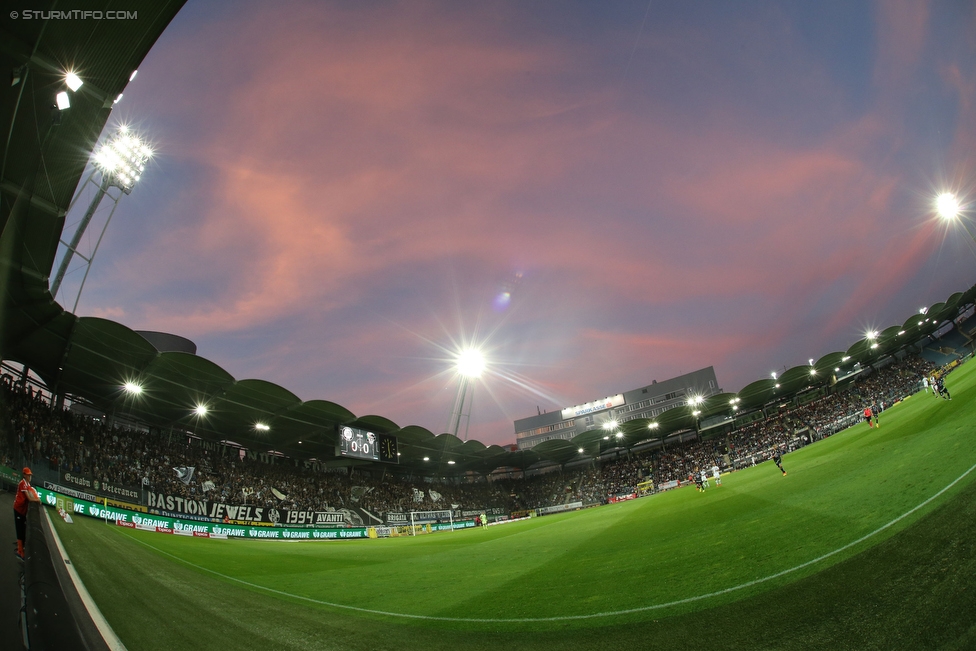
<point x="163" y="524"/>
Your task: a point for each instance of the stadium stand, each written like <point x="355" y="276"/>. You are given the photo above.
<point x="56" y="441"/>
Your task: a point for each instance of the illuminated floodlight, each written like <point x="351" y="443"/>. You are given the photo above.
<point x="426" y="458"/>
<point x="773" y="374"/>
<point x="946" y="205"/>
<point x="923" y="310"/>
<point x="132" y="387"/>
<point x="901" y="332"/>
<point x="874" y="345"/>
<point x="117" y="99"/>
<point x="261" y="427"/>
<point x="122" y="159"/>
<point x="63" y="101"/>
<point x="695" y="400"/>
<point x="695" y="413"/>
<point x="777" y="385"/>
<point x="811" y="361"/>
<point x="606" y="438"/>
<point x="133" y="75"/>
<point x="200" y="410"/>
<point x="837" y="369"/>
<point x="580" y="450"/>
<point x="620" y="435"/>
<point x="451" y="462"/>
<point x="653" y="425"/>
<point x="470" y="363"/>
<point x="845" y="358"/>
<point x="813" y="371"/>
<point x="610" y="424"/>
<point x="73" y="81"/>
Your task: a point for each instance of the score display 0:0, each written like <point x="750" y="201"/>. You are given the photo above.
<point x="355" y="447"/>
<point x="357" y="443"/>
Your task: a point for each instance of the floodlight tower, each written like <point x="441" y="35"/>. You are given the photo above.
<point x="470" y="365"/>
<point x="120" y="163"/>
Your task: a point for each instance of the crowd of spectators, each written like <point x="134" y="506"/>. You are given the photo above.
<point x="38" y="433"/>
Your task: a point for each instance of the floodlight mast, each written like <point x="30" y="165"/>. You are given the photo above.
<point x="121" y="162"/>
<point x="470" y="365"/>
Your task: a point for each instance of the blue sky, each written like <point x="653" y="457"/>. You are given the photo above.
<point x="342" y="191"/>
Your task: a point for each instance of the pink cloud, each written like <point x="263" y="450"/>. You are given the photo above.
<point x="349" y="163"/>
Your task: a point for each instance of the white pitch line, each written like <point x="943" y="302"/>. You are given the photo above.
<point x="564" y="618"/>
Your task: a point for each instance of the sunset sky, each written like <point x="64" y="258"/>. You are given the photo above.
<point x="342" y="192"/>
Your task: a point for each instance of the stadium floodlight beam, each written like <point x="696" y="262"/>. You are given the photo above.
<point x="261" y="427"/>
<point x="947" y="205"/>
<point x="470" y="364"/>
<point x="120" y="161"/>
<point x="62" y="100"/>
<point x="132" y="388"/>
<point x="201" y="410"/>
<point x="73" y="81"/>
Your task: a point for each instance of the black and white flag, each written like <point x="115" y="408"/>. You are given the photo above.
<point x="185" y="473"/>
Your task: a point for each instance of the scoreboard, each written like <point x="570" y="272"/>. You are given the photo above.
<point x="360" y="444"/>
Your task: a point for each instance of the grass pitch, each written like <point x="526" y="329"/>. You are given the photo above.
<point x="867" y="543"/>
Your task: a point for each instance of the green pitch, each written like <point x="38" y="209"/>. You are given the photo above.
<point x="868" y="542"/>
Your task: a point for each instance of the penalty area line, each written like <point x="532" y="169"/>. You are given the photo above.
<point x="565" y="618"/>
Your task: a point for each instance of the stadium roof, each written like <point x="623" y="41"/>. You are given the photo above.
<point x="92" y="359"/>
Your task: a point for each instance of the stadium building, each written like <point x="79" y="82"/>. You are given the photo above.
<point x="644" y="402"/>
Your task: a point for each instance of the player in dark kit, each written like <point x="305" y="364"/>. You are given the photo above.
<point x="941" y="388"/>
<point x="778" y="460"/>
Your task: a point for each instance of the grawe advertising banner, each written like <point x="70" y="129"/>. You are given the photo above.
<point x="162" y="524"/>
<point x="176" y="506"/>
